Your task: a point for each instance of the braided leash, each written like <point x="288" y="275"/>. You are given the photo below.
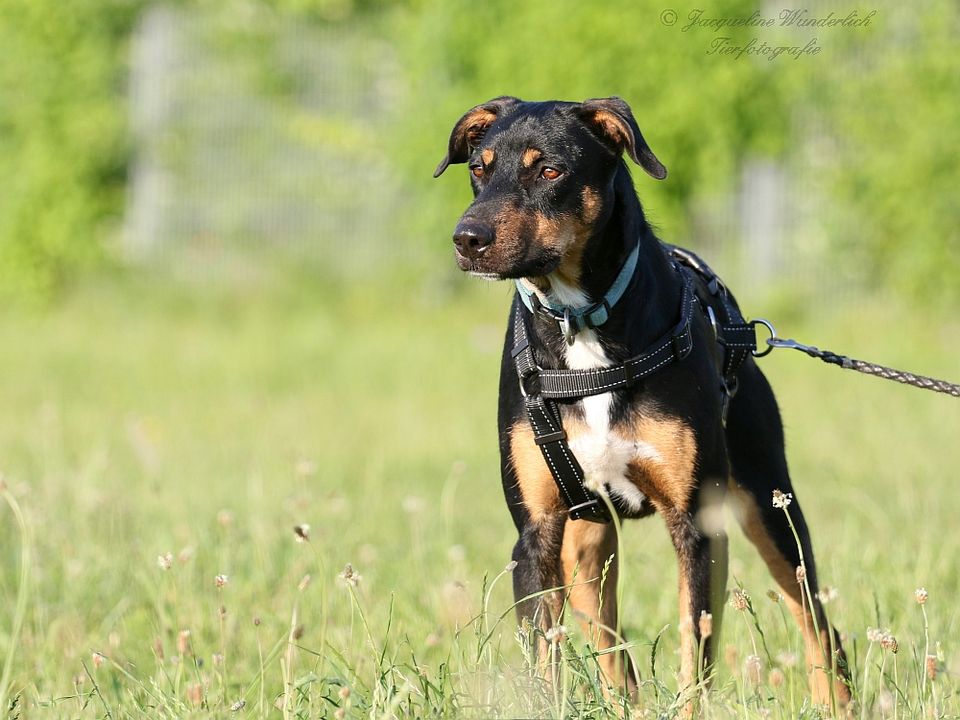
<point x="901" y="376"/>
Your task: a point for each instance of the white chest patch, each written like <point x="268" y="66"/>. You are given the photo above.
<point x="602" y="454"/>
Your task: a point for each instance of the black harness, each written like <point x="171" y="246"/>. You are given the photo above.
<point x="541" y="388"/>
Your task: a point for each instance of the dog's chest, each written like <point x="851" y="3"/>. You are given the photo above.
<point x="604" y="453"/>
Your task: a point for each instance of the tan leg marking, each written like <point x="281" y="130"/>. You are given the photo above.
<point x="537" y="486"/>
<point x="664" y="472"/>
<point x="586" y="549"/>
<point x="688" y="642"/>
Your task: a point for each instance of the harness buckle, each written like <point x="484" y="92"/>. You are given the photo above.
<point x="529" y="373"/>
<point x="592" y="511"/>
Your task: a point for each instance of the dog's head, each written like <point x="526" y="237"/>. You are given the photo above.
<point x="542" y="176"/>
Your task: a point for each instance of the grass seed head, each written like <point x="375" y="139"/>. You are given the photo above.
<point x="183" y="642"/>
<point x="344" y="692"/>
<point x="510" y="566"/>
<point x="221" y="580"/>
<point x="828" y="594"/>
<point x="739" y="599"/>
<point x="754" y="669"/>
<point x="921" y="595"/>
<point x="801" y="574"/>
<point x="874" y="635"/>
<point x="932" y="667"/>
<point x="165" y="561"/>
<point x="556" y="634"/>
<point x="238" y="706"/>
<point x="706" y="624"/>
<point x="781" y="499"/>
<point x="225" y="518"/>
<point x="301" y="532"/>
<point x="97" y="659"/>
<point x="889" y="642"/>
<point x="774" y="596"/>
<point x="195" y="693"/>
<point x="349" y="576"/>
<point x="787" y="659"/>
<point x="339" y="714"/>
<point x="776" y="678"/>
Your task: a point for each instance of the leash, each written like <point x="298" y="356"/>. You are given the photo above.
<point x="867" y="368"/>
<point x="735" y="337"/>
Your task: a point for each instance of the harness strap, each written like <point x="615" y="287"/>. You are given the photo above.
<point x="550" y="437"/>
<point x="675" y="345"/>
<point x="542" y="388"/>
<point x="736" y="336"/>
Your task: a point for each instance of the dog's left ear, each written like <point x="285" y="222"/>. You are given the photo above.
<point x="612" y="121"/>
<point x="469" y="130"/>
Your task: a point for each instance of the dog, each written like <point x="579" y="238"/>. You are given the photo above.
<point x="556" y="211"/>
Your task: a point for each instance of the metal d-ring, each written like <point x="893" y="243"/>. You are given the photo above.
<point x="566" y="327"/>
<point x="770" y="340"/>
<point x="712" y="317"/>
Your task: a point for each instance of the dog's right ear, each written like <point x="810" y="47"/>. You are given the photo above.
<point x="469" y="130"/>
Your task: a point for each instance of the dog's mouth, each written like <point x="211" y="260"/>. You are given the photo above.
<point x="489" y="267"/>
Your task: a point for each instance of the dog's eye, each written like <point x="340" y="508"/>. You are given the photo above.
<point x="477" y="170"/>
<point x="549" y="173"/>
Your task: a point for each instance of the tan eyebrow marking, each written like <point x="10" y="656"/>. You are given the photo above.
<point x="530" y="156"/>
<point x="487" y="156"/>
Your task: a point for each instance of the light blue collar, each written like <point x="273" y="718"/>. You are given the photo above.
<point x="573" y="320"/>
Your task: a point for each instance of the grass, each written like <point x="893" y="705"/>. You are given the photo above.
<point x="142" y="420"/>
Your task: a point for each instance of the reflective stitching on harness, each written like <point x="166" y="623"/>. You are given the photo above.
<point x="600" y="388"/>
<point x="546" y="453"/>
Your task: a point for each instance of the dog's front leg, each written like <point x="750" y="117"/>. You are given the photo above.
<point x="701" y="580"/>
<point x="590" y="570"/>
<point x="538" y="582"/>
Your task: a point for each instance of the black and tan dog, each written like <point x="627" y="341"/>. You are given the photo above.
<point x="555" y="209"/>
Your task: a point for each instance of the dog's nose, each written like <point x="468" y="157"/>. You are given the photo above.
<point x="472" y="238"/>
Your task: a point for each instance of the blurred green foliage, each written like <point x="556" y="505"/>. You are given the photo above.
<point x="869" y="127"/>
<point x="63" y="150"/>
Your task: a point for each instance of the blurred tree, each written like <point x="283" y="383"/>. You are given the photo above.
<point x="869" y="128"/>
<point x="62" y="149"/>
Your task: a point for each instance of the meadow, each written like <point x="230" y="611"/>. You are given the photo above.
<point x="187" y="474"/>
